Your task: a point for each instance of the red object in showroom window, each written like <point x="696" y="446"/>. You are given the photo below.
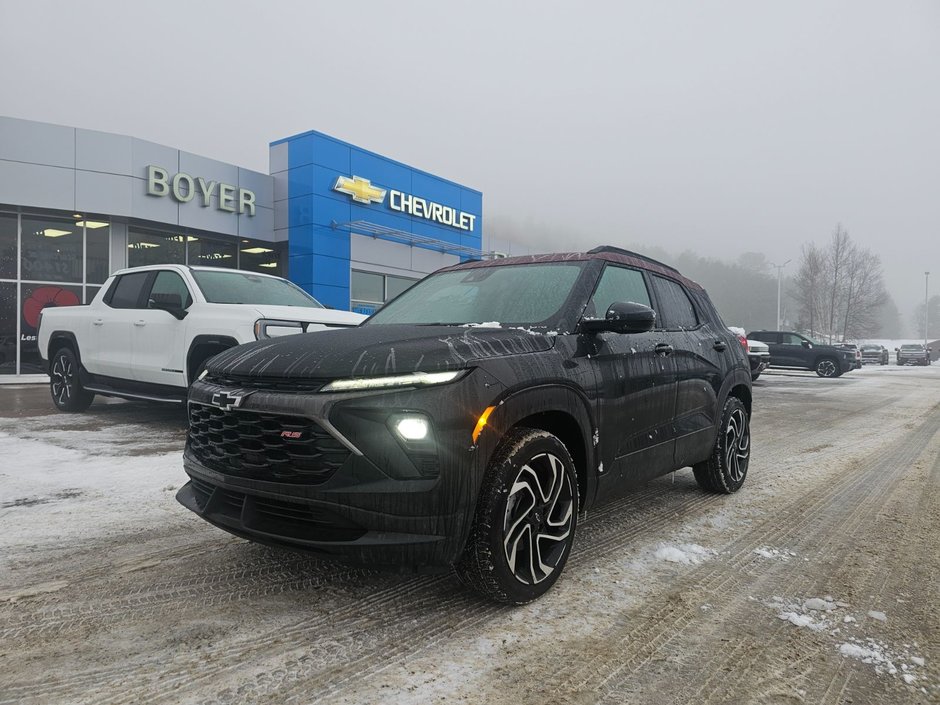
<point x="43" y="297"/>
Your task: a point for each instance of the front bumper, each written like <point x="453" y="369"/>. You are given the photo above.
<point x="385" y="505"/>
<point x="759" y="363"/>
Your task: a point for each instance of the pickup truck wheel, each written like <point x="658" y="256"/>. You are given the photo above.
<point x="827" y="367"/>
<point x="67" y="391"/>
<point x="525" y="522"/>
<point x="725" y="470"/>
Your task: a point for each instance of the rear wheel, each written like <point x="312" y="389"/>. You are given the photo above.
<point x="827" y="367"/>
<point x="726" y="468"/>
<point x="67" y="391"/>
<point x="525" y="522"/>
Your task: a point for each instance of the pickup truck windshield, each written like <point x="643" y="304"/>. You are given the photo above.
<point x="247" y="288"/>
<point x="512" y="294"/>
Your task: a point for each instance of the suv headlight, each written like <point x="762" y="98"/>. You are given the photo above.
<point x="416" y="379"/>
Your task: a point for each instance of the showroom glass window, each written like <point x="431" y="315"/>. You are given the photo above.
<point x="149" y="247"/>
<point x="207" y="252"/>
<point x="263" y="257"/>
<point x="7" y="328"/>
<point x="97" y="249"/>
<point x="370" y="290"/>
<point x="51" y="249"/>
<point x="8" y="227"/>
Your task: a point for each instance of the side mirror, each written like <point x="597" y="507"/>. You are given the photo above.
<point x="171" y="303"/>
<point x="897" y="350"/>
<point x="622" y="317"/>
<point x="806" y="344"/>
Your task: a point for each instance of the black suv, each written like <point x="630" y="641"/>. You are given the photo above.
<point x="797" y="350"/>
<point x="470" y="421"/>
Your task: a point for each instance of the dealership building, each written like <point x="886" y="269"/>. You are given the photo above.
<point x="351" y="227"/>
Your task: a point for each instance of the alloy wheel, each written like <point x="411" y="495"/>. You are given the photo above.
<point x="63" y="379"/>
<point x="737" y="445"/>
<point x="538" y="519"/>
<point x="826" y="368"/>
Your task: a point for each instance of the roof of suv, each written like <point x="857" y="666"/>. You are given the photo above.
<point x="607" y="253"/>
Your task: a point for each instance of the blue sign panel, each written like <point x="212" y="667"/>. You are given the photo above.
<point x="334" y="189"/>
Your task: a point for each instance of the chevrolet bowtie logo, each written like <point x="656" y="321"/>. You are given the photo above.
<point x="361" y="190"/>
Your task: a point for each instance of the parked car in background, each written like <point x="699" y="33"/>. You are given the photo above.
<point x="913" y="354"/>
<point x="149" y="331"/>
<point x="758" y="353"/>
<point x="471" y="420"/>
<point x="875" y="355"/>
<point x="788" y="349"/>
<point x="855" y="349"/>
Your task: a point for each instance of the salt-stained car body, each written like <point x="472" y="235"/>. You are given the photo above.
<point x="149" y="330"/>
<point x="472" y="420"/>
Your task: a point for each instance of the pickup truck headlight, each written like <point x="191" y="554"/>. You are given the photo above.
<point x="417" y="379"/>
<point x="271" y="328"/>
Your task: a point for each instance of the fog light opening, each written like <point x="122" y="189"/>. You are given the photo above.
<point x="412" y="428"/>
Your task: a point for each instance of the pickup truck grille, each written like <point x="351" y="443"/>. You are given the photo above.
<point x="270" y="447"/>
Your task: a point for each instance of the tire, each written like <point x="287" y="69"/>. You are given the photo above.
<point x="726" y="469"/>
<point x="828" y="367"/>
<point x="64" y="385"/>
<point x="530" y="486"/>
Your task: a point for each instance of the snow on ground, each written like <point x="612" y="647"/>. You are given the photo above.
<point x="65" y="480"/>
<point x="686" y="553"/>
<point x="825" y="615"/>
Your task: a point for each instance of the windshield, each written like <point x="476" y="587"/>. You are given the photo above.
<point x="869" y="348"/>
<point x="912" y="347"/>
<point x="247" y="288"/>
<point x="513" y="295"/>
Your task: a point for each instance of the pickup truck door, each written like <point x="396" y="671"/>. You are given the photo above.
<point x="106" y="351"/>
<point x="158" y="338"/>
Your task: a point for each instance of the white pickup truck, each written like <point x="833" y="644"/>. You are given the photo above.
<point x="149" y="330"/>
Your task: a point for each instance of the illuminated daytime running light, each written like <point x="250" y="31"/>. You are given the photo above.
<point x="418" y="379"/>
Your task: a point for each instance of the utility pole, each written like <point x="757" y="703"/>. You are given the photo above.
<point x="926" y="306"/>
<point x="779" y="268"/>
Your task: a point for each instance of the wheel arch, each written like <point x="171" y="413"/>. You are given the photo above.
<point x="559" y="410"/>
<point x="61" y="339"/>
<point x="202" y="348"/>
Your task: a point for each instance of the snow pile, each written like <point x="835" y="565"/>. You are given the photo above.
<point x="487" y="324"/>
<point x="824" y="615"/>
<point x="686" y="553"/>
<point x="773" y="553"/>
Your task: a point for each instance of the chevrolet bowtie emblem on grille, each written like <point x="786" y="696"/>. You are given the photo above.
<point x="361" y="190"/>
<point x="229" y="400"/>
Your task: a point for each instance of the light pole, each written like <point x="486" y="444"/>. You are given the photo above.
<point x="779" y="268"/>
<point x="926" y="306"/>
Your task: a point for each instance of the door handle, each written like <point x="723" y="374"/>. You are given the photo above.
<point x="140" y="324"/>
<point x="720" y="346"/>
<point x="663" y="349"/>
<point x="98" y="322"/>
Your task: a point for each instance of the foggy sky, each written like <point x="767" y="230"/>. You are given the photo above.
<point x="712" y="126"/>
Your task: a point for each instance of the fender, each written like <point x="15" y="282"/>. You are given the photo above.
<point x="225" y="341"/>
<point x="58" y="335"/>
<point x="560" y="398"/>
<point x="737" y="377"/>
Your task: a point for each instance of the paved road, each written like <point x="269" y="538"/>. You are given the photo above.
<point x="816" y="583"/>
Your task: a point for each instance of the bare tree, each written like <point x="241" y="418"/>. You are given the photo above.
<point x="837" y="256"/>
<point x="864" y="292"/>
<point x="809" y="285"/>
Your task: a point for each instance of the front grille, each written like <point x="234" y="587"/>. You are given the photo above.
<point x="272" y="384"/>
<point x="271" y="447"/>
<point x="275" y="517"/>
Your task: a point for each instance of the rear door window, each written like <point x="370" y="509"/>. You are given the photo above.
<point x="126" y="290"/>
<point x="675" y="307"/>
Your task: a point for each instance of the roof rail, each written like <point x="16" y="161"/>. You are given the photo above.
<point x="620" y="251"/>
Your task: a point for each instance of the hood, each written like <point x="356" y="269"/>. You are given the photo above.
<point x="309" y="314"/>
<point x="375" y="350"/>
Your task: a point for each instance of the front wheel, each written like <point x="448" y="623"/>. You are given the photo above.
<point x="67" y="391"/>
<point x="525" y="521"/>
<point x="725" y="470"/>
<point x="827" y="367"/>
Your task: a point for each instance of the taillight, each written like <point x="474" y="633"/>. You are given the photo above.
<point x="743" y="340"/>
